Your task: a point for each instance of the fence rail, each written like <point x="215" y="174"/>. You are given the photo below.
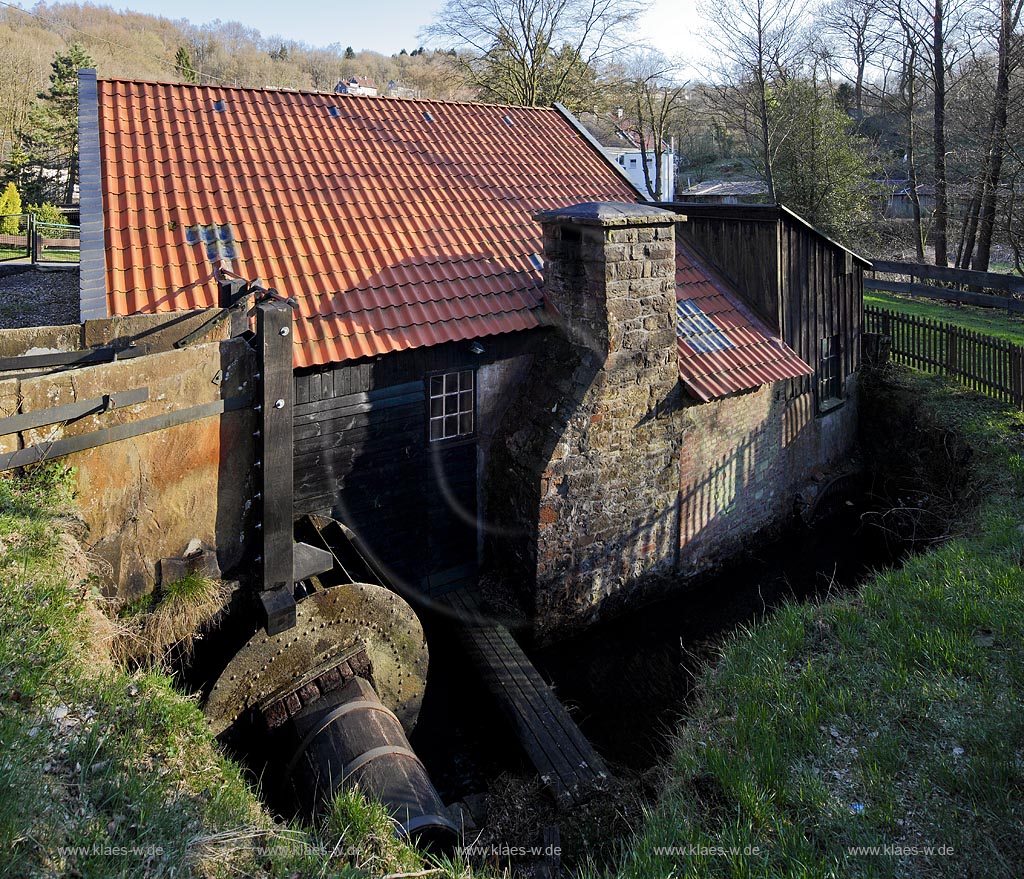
<point x="25" y="239"/>
<point x="984" y="363"/>
<point x="984" y="289"/>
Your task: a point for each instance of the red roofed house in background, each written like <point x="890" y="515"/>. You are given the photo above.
<point x="501" y="355"/>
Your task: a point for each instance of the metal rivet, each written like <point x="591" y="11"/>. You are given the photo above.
<point x="284" y="331"/>
<point x="279" y="404"/>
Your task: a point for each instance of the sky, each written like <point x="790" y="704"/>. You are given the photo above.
<point x="390" y="26"/>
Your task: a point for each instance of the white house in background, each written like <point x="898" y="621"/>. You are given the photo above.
<point x="357" y="85"/>
<point x="620" y="142"/>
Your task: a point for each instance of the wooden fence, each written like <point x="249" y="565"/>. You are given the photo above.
<point x="984" y="289"/>
<point x="984" y="363"/>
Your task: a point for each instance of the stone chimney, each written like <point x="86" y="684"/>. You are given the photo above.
<point x="594" y="436"/>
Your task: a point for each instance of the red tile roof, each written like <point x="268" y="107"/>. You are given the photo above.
<point x="394" y="223"/>
<point x="723" y="347"/>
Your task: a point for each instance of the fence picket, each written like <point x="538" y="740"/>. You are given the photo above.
<point x="983" y="363"/>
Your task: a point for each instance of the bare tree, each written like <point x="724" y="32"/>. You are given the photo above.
<point x="655" y="100"/>
<point x="854" y="29"/>
<point x="532" y="52"/>
<point x="760" y="44"/>
<point x="979" y="224"/>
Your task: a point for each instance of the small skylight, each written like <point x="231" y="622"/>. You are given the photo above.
<point x="428" y="117"/>
<point x="537" y="262"/>
<point x="508" y="121"/>
<point x="334" y="111"/>
<point x="219" y="106"/>
<point x="698" y="330"/>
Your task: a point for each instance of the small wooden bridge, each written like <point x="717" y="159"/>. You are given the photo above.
<point x="567" y="763"/>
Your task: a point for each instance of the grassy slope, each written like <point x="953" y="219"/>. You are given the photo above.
<point x="95" y="757"/>
<point x="888" y="717"/>
<point x="983" y="320"/>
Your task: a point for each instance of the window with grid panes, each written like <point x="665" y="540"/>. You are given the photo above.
<point x="452" y="403"/>
<point x="828" y="371"/>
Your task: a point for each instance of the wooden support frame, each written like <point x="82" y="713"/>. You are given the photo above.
<point x="61" y="447"/>
<point x="274" y="402"/>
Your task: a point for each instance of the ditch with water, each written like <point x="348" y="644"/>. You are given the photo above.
<point x="627" y="681"/>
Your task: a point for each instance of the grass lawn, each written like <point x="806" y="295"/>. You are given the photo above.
<point x="110" y="773"/>
<point x="890" y="718"/>
<point x="991" y="321"/>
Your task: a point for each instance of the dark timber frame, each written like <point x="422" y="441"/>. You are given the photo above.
<point x="274" y="449"/>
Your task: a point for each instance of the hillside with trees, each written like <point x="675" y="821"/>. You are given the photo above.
<point x="891" y="125"/>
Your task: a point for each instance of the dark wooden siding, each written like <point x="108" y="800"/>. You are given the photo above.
<point x="824" y="287"/>
<point x="762" y="249"/>
<point x="362" y="456"/>
<point x="744" y="249"/>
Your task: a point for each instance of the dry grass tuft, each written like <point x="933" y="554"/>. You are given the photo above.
<point x="183" y="610"/>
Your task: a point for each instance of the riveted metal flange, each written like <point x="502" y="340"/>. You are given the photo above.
<point x="338" y="622"/>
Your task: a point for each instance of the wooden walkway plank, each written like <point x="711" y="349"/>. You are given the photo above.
<point x="567" y="763"/>
<point x="517" y="685"/>
<point x="538" y="694"/>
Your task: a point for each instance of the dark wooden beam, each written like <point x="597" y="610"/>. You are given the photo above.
<point x="71" y="411"/>
<point x="61" y="447"/>
<point x="68" y="358"/>
<point x="274" y="443"/>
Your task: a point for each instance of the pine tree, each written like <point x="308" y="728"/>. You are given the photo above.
<point x="186" y="69"/>
<point x="51" y="141"/>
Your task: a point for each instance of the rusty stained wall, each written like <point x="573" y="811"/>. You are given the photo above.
<point x="146" y="498"/>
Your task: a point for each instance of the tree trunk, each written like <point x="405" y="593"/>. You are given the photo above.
<point x="939" y="73"/>
<point x="1008" y="17"/>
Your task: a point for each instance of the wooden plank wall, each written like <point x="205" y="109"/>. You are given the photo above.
<point x="761" y="249"/>
<point x="362" y="455"/>
<point x="746" y="252"/>
<point x="824" y="296"/>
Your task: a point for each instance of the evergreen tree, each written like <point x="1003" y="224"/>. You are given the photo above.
<point x="349" y="54"/>
<point x="186" y="69"/>
<point x="10" y="205"/>
<point x="51" y="141"/>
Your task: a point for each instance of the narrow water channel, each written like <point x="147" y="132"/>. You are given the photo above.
<point x="628" y="680"/>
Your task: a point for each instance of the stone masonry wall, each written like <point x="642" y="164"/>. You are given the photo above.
<point x="584" y="481"/>
<point x="744" y="460"/>
<point x="606" y="484"/>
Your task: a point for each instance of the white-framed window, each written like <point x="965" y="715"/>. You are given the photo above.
<point x="452" y="402"/>
<point x="829" y="384"/>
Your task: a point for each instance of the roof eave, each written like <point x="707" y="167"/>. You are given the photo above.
<point x="596" y="146"/>
<point x="92" y="289"/>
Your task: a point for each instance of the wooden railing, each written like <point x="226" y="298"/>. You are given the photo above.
<point x="984" y="363"/>
<point x="985" y="289"/>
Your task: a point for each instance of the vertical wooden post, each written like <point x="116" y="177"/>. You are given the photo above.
<point x="274" y="443"/>
<point x="951" y="349"/>
<point x="1017" y="375"/>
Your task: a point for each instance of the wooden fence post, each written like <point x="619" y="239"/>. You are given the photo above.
<point x="951" y="350"/>
<point x="274" y="446"/>
<point x="1017" y="375"/>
